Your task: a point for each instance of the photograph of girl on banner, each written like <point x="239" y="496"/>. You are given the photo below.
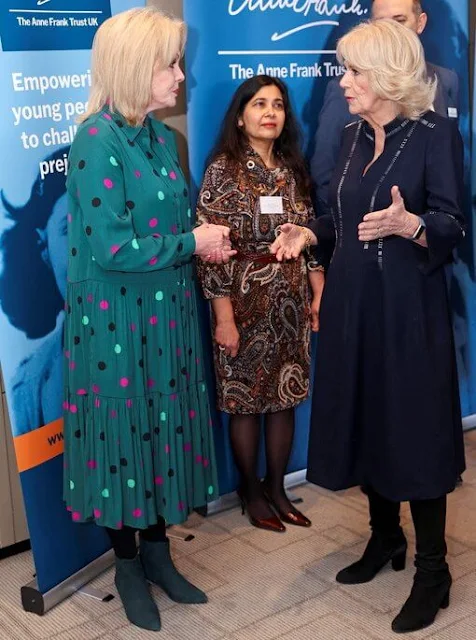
<point x="34" y="255"/>
<point x="257" y="180"/>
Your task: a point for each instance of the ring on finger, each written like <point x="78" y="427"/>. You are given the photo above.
<point x="222" y="348"/>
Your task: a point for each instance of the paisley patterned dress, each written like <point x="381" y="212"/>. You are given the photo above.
<point x="270" y="300"/>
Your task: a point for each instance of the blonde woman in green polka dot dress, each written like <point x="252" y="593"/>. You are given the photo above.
<point x="138" y="441"/>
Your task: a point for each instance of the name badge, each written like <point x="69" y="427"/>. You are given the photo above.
<point x="452" y="112"/>
<point x="271" y="204"/>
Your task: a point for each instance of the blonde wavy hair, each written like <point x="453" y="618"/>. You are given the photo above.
<point x="392" y="57"/>
<point x="127" y="48"/>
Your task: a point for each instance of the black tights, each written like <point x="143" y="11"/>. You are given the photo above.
<point x="244" y="436"/>
<point x="124" y="540"/>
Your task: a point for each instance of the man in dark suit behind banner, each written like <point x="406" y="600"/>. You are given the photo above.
<point x="334" y="115"/>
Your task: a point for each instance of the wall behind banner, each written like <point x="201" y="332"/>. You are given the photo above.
<point x="230" y="40"/>
<point x="45" y="79"/>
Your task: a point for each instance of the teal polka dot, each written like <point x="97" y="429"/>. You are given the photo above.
<point x="105" y="493"/>
<point x="113" y="161"/>
<point x="135" y="244"/>
<point x="163" y="416"/>
<point x="85" y="320"/>
<point x="210" y="490"/>
<point x="163" y="171"/>
<point x="118" y="349"/>
<point x="189" y="213"/>
<point x="93" y="258"/>
<point x="161" y="195"/>
<point x="204" y="387"/>
<point x="159" y="296"/>
<point x="71" y="485"/>
<point x="131" y="484"/>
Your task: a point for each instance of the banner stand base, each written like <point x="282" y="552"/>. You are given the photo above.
<point x="34" y="601"/>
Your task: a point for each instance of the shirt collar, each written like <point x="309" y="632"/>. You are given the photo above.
<point x="391" y="128"/>
<point x="129" y="131"/>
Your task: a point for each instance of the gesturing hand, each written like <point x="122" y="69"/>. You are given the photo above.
<point x="291" y="241"/>
<point x="393" y="221"/>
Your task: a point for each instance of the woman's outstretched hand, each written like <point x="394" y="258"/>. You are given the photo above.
<point x="291" y="241"/>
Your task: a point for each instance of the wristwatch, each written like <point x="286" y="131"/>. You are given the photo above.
<point x="421" y="228"/>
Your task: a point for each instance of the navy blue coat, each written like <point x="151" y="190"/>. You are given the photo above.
<point x="334" y="116"/>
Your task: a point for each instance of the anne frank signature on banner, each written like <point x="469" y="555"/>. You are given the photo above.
<point x="328" y="9"/>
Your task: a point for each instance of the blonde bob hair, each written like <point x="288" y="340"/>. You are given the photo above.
<point x="392" y="57"/>
<point x="127" y="48"/>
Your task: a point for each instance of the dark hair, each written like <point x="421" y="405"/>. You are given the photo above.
<point x="417" y="8"/>
<point x="232" y="141"/>
<point x="27" y="282"/>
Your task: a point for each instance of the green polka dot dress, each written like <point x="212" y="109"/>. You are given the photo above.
<point x="138" y="438"/>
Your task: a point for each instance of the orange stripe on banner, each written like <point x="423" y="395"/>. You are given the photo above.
<point x="40" y="445"/>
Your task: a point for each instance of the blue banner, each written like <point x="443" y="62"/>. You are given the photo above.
<point x="43" y="92"/>
<point x="232" y="40"/>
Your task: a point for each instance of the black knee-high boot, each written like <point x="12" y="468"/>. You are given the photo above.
<point x="432" y="582"/>
<point x="387" y="542"/>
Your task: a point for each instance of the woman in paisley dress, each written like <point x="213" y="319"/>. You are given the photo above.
<point x="256" y="181"/>
<point x="138" y="439"/>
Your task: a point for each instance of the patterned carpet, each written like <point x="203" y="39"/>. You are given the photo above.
<point x="265" y="586"/>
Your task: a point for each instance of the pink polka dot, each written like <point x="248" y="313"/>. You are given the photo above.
<point x="153" y="222"/>
<point x="67" y="354"/>
<point x="107" y="116"/>
<point x="128" y="403"/>
<point x="81" y="392"/>
<point x="113" y="413"/>
<point x="93" y="131"/>
<point x="198" y="458"/>
<point x="197" y="360"/>
<point x="92" y="464"/>
<point x="73" y="408"/>
<point x="72" y="365"/>
<point x="124" y="382"/>
<point x="97" y="513"/>
<point x="187" y="446"/>
<point x="167" y="448"/>
<point x="206" y="462"/>
<point x="181" y="506"/>
<point x="108" y="183"/>
<point x="76" y="516"/>
<point x="173" y="397"/>
<point x="119" y="524"/>
<point x="179" y="352"/>
<point x="173" y="228"/>
<point x="153" y="319"/>
<point x="159" y="480"/>
<point x="137" y="173"/>
<point x="97" y="403"/>
<point x="153" y="261"/>
<point x="69" y="509"/>
<point x="188" y="294"/>
<point x="133" y="326"/>
<point x="137" y="513"/>
<point x="173" y="175"/>
<point x="66" y="405"/>
<point x="172" y="324"/>
<point x="161" y="140"/>
<point x="150" y="383"/>
<point x="114" y="249"/>
<point x="95" y="388"/>
<point x="70" y="217"/>
<point x="90" y="297"/>
<point x="104" y="305"/>
<point x="192" y="414"/>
